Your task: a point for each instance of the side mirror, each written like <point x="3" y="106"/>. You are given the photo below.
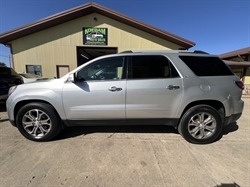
<point x="71" y="77"/>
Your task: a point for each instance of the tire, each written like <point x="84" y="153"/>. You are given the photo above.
<point x="38" y="122"/>
<point x="201" y="124"/>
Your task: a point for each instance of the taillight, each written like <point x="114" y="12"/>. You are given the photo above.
<point x="240" y="84"/>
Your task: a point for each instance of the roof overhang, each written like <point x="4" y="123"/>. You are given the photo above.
<point x="86" y="9"/>
<point x="236" y="53"/>
<point x="243" y="64"/>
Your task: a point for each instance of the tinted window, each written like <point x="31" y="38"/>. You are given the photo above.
<point x="149" y="67"/>
<point x="206" y="66"/>
<point x="8" y="72"/>
<point x="106" y="69"/>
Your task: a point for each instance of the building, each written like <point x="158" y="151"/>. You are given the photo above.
<point x="239" y="62"/>
<point x="53" y="46"/>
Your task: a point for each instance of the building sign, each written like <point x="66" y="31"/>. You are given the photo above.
<point x="95" y="36"/>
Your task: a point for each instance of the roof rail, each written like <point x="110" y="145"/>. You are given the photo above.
<point x="195" y="51"/>
<point x="164" y="51"/>
<point x="201" y="52"/>
<point x="127" y="51"/>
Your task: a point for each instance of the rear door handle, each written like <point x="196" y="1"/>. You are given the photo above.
<point x="173" y="87"/>
<point x="113" y="89"/>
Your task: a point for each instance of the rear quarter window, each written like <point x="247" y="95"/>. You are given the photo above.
<point x="206" y="66"/>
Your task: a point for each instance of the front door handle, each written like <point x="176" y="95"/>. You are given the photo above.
<point x="173" y="87"/>
<point x="113" y="89"/>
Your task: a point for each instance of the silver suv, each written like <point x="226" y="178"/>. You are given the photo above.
<point x="193" y="91"/>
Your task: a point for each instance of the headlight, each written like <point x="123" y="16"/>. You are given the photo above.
<point x="11" y="90"/>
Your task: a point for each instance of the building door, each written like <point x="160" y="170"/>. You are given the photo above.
<point x="61" y="70"/>
<point x="85" y="54"/>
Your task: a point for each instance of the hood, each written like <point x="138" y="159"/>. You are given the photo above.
<point x="43" y="83"/>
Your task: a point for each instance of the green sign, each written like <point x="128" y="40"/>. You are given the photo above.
<point x="95" y="36"/>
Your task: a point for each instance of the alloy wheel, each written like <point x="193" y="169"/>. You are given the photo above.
<point x="36" y="123"/>
<point x="202" y="125"/>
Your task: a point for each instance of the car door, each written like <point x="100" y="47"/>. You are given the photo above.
<point x="154" y="90"/>
<point x="98" y="92"/>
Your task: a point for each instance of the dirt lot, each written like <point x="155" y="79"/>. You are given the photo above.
<point x="123" y="156"/>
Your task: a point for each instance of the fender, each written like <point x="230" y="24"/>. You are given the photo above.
<point x="42" y="94"/>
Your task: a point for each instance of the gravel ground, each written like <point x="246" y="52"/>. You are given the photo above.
<point x="123" y="156"/>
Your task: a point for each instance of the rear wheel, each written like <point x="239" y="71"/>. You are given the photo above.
<point x="201" y="124"/>
<point x="38" y="122"/>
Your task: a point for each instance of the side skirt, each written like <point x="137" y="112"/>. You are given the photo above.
<point x="170" y="122"/>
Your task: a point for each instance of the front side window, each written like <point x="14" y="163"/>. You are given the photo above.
<point x="106" y="69"/>
<point x="151" y="67"/>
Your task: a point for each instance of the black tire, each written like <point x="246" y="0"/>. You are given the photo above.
<point x="187" y="124"/>
<point x="38" y="112"/>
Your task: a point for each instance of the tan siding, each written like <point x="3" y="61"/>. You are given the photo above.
<point x="237" y="69"/>
<point x="237" y="59"/>
<point x="247" y="77"/>
<point x="57" y="45"/>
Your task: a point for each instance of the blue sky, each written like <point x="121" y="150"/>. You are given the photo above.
<point x="216" y="26"/>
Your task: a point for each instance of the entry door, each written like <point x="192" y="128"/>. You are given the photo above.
<point x="62" y="70"/>
<point x="154" y="88"/>
<point x="98" y="92"/>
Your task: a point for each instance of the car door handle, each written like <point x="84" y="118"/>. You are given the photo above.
<point x="113" y="89"/>
<point x="173" y="87"/>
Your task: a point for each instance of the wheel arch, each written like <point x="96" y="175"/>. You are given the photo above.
<point x="217" y="105"/>
<point x="22" y="103"/>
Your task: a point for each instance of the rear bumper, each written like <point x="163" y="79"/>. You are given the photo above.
<point x="232" y="118"/>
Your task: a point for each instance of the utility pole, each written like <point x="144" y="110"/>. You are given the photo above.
<point x="5" y="57"/>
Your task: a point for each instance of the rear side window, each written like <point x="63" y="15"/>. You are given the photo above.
<point x="150" y="67"/>
<point x="206" y="66"/>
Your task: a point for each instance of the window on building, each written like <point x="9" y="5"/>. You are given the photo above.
<point x="34" y="69"/>
<point x="151" y="67"/>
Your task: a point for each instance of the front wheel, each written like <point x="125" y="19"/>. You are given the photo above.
<point x="38" y="122"/>
<point x="201" y="124"/>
